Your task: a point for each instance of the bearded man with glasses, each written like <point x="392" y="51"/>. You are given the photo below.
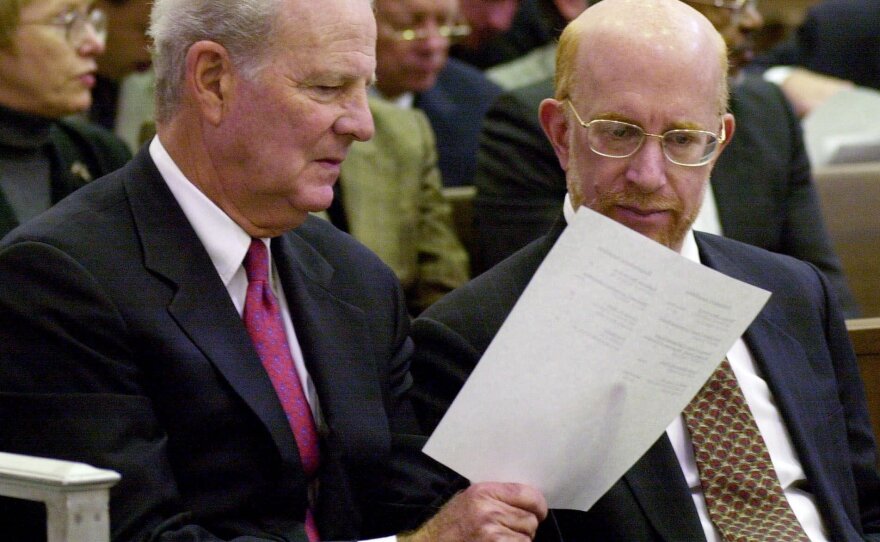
<point x="761" y="191"/>
<point x="638" y="121"/>
<point x="47" y="72"/>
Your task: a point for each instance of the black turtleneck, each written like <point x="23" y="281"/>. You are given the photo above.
<point x="25" y="163"/>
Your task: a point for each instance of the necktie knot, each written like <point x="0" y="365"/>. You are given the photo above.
<point x="256" y="262"/>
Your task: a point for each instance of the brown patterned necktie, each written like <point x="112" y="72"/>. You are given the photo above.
<point x="743" y="493"/>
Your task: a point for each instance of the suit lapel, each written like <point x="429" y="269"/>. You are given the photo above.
<point x="201" y="305"/>
<point x="659" y="486"/>
<point x="336" y="344"/>
<point x="8" y="221"/>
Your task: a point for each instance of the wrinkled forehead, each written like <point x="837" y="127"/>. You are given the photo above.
<point x="339" y="38"/>
<point x="331" y="26"/>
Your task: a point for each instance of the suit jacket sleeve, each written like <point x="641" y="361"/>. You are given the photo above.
<point x="65" y="365"/>
<point x="862" y="446"/>
<point x="75" y="384"/>
<point x="804" y="235"/>
<point x="442" y="260"/>
<point x="520" y="186"/>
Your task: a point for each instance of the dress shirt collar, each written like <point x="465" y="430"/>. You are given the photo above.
<point x="226" y="242"/>
<point x="406" y="100"/>
<point x="688" y="249"/>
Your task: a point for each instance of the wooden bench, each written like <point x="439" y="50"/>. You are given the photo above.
<point x="461" y="198"/>
<point x="850" y="198"/>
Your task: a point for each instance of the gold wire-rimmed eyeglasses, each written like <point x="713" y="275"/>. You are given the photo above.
<point x="618" y="139"/>
<point x="450" y="31"/>
<point x="76" y="23"/>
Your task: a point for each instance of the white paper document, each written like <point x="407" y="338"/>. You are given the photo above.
<point x="612" y="338"/>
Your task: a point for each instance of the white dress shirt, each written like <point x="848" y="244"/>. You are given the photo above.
<point x="770" y="423"/>
<point x="227" y="244"/>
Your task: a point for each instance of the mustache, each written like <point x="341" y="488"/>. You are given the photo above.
<point x="639" y="200"/>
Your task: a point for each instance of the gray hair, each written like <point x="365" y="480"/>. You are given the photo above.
<point x="245" y="28"/>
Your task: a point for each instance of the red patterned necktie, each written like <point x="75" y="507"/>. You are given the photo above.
<point x="743" y="494"/>
<point x="262" y="318"/>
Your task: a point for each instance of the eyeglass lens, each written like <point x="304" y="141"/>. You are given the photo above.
<point x="620" y="139"/>
<point x="453" y="31"/>
<point x="78" y="23"/>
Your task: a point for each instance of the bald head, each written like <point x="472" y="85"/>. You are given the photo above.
<point x="625" y="38"/>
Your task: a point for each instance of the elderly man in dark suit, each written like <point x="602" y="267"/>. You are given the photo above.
<point x="762" y="190"/>
<point x="186" y="322"/>
<point x="638" y="121"/>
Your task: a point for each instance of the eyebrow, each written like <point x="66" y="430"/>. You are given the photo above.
<point x="684" y="125"/>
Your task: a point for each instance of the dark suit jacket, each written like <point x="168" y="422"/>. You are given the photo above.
<point x="762" y="182"/>
<point x="79" y="152"/>
<point x="120" y="347"/>
<point x="455" y="105"/>
<point x="837" y="37"/>
<point x="799" y="342"/>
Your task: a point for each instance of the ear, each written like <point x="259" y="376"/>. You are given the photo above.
<point x="210" y="79"/>
<point x="729" y="123"/>
<point x="551" y="113"/>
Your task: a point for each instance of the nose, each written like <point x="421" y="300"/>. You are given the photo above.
<point x="647" y="167"/>
<point x="501" y="15"/>
<point x="93" y="42"/>
<point x="433" y="41"/>
<point x="356" y="121"/>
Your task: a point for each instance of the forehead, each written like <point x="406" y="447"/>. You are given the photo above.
<point x="38" y="8"/>
<point x="649" y="78"/>
<point x="340" y="35"/>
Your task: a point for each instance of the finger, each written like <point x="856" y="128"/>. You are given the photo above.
<point x="521" y="496"/>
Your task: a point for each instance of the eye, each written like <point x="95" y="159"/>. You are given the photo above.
<point x="325" y="91"/>
<point x="682" y="138"/>
<point x="617" y="130"/>
<point x="67" y="17"/>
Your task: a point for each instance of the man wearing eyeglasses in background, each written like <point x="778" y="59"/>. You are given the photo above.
<point x="123" y="94"/>
<point x="414" y="70"/>
<point x="761" y="191"/>
<point x="47" y="72"/>
<point x="638" y="121"/>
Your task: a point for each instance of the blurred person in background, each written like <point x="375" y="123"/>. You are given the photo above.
<point x="414" y="70"/>
<point x="836" y="47"/>
<point x="123" y="94"/>
<point x="490" y="20"/>
<point x="389" y="198"/>
<point x="48" y="52"/>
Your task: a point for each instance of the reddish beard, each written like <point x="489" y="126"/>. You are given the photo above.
<point x="671" y="235"/>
